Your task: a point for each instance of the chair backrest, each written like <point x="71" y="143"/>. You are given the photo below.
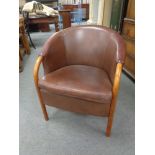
<point x="88" y="45"/>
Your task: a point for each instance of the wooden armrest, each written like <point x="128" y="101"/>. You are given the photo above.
<point x="117" y="79"/>
<point x="36" y="70"/>
<point x="35" y="75"/>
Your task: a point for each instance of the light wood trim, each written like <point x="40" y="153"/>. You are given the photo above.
<point x="35" y="75"/>
<point x="129" y="20"/>
<point x="114" y="97"/>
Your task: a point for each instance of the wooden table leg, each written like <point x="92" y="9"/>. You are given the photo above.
<point x="66" y="18"/>
<point x="56" y="25"/>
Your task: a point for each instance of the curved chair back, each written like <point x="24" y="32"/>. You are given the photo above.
<point x="85" y="45"/>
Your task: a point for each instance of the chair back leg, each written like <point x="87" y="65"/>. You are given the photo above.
<point x="114" y="97"/>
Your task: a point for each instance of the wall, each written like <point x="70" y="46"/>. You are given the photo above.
<point x="107" y="13"/>
<point x="104" y="12"/>
<point x="93" y="11"/>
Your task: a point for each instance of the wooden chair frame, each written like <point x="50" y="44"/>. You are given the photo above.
<point x="114" y="93"/>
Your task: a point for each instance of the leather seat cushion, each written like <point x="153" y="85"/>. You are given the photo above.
<point x="79" y="81"/>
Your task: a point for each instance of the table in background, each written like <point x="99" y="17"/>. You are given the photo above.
<point x="44" y="21"/>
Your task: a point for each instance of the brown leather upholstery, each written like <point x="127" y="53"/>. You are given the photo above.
<point x="74" y="104"/>
<point x="79" y="81"/>
<point x="85" y="45"/>
<point x="80" y="70"/>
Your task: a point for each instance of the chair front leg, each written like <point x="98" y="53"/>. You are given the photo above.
<point x="114" y="97"/>
<point x="35" y="75"/>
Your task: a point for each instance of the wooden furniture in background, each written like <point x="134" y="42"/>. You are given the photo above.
<point x="23" y="36"/>
<point x="21" y="54"/>
<point x="66" y="18"/>
<point x="71" y="7"/>
<point x="44" y="21"/>
<point x="128" y="33"/>
<point x="24" y="47"/>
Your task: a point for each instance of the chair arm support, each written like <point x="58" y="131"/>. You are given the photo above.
<point x="115" y="88"/>
<point x="36" y="70"/>
<point x="117" y="79"/>
<point x="114" y="97"/>
<point x="36" y="78"/>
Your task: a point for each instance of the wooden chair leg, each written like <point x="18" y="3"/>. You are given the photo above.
<point x="109" y="126"/>
<point x="24" y="40"/>
<point x="43" y="107"/>
<point x="114" y="97"/>
<point x="35" y="75"/>
<point x="25" y="44"/>
<point x="110" y="117"/>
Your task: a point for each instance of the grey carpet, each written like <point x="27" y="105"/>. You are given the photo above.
<point x="69" y="133"/>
